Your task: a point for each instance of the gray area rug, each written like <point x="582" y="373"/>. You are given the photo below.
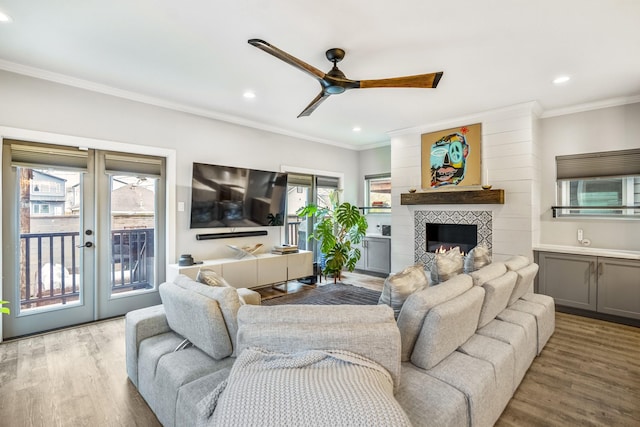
<point x="331" y="294"/>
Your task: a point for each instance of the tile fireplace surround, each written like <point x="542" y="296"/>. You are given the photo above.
<point x="482" y="219"/>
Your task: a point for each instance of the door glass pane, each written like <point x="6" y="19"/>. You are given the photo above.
<point x="298" y="228"/>
<point x="133" y="220"/>
<point x="49" y="224"/>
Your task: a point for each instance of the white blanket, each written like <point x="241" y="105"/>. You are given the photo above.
<point x="310" y="388"/>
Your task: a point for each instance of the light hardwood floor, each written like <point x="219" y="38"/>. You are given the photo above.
<point x="587" y="375"/>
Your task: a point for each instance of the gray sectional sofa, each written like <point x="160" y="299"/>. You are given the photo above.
<point x="454" y="357"/>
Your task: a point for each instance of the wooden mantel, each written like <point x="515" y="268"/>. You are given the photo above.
<point x="453" y="197"/>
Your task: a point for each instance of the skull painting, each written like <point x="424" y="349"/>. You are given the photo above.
<point x="448" y="160"/>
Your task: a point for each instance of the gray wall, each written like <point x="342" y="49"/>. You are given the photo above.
<point x="39" y="105"/>
<point x="614" y="128"/>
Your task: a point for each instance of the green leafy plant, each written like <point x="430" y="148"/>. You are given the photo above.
<point x="4" y="310"/>
<point x="338" y="229"/>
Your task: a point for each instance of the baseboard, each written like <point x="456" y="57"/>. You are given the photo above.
<point x="599" y="316"/>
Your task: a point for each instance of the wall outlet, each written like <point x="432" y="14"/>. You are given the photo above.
<point x="580" y="235"/>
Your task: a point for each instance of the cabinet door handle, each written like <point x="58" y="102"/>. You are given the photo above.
<point x="592" y="267"/>
<point x="600" y="269"/>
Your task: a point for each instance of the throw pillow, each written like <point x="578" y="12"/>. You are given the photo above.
<point x="477" y="258"/>
<point x="211" y="278"/>
<point x="446" y="265"/>
<point x="397" y="287"/>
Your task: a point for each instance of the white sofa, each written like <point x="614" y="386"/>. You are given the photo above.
<point x="455" y="356"/>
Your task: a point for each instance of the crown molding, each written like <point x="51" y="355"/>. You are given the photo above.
<point x="159" y="102"/>
<point x="581" y="108"/>
<point x="531" y="107"/>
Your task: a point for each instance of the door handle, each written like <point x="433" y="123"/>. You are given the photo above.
<point x="86" y="245"/>
<point x="600" y="269"/>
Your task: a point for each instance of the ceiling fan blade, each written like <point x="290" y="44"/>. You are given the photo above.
<point x="284" y="56"/>
<point x="420" y="81"/>
<point x="314" y="104"/>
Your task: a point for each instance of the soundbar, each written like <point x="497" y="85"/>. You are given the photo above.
<point x="231" y="234"/>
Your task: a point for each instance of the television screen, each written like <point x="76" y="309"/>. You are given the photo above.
<point x="226" y="196"/>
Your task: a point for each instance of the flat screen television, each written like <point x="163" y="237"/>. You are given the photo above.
<point x="227" y="196"/>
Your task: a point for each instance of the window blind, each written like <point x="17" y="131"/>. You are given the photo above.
<point x="35" y="155"/>
<point x="327" y="182"/>
<point x="299" y="180"/>
<point x="132" y="164"/>
<point x="598" y="165"/>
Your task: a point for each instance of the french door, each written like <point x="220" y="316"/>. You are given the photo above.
<point x="81" y="230"/>
<point x="302" y="190"/>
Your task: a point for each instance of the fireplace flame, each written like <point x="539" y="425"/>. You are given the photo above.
<point x="442" y="250"/>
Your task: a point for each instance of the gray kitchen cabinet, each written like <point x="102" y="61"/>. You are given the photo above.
<point x="375" y="255"/>
<point x="569" y="279"/>
<point x="594" y="283"/>
<point x="619" y="287"/>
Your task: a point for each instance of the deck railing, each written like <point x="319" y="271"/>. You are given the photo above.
<point x="49" y="273"/>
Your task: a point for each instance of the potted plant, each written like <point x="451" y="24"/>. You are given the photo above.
<point x="338" y="229"/>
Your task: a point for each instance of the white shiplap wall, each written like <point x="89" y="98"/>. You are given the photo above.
<point x="510" y="153"/>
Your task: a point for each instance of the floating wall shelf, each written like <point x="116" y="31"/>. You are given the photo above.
<point x="453" y="197"/>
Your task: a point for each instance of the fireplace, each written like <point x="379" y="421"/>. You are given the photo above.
<point x="447" y="236"/>
<point x="482" y="220"/>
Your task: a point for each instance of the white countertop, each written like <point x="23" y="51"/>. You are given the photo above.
<point x="585" y="250"/>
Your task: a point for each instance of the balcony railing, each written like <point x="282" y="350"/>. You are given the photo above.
<point x="50" y="267"/>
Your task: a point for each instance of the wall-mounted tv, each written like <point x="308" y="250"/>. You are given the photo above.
<point x="226" y="196"/>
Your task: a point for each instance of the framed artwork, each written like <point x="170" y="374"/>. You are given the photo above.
<point x="452" y="157"/>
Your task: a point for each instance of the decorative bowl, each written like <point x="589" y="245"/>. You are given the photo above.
<point x="412" y="190"/>
<point x="486" y="187"/>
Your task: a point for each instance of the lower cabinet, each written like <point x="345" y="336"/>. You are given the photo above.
<point x="375" y="255"/>
<point x="619" y="287"/>
<point x="599" y="284"/>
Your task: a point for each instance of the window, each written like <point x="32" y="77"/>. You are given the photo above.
<point x="377" y="193"/>
<point x="599" y="184"/>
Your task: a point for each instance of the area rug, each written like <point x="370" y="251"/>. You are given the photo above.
<point x="331" y="294"/>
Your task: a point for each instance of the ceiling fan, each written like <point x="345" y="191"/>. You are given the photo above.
<point x="335" y="82"/>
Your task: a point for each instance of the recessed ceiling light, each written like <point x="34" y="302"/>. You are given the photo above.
<point x="249" y="95"/>
<point x="4" y="17"/>
<point x="561" y="79"/>
<point x="356" y="129"/>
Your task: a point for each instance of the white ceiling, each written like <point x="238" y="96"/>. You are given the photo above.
<point x="194" y="55"/>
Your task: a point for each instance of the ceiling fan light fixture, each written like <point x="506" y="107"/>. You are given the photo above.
<point x="356" y="129"/>
<point x="249" y="94"/>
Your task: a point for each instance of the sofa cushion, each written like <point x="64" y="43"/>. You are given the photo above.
<point x="446" y="327"/>
<point x="475" y="378"/>
<point x="517" y="262"/>
<point x="497" y="293"/>
<point x="524" y="284"/>
<point x="397" y="287"/>
<point x="543" y="308"/>
<point x="429" y="401"/>
<point x="489" y="272"/>
<point x="174" y="371"/>
<point x="418" y="305"/>
<point x="370" y="331"/>
<point x="447" y="265"/>
<point x="204" y="315"/>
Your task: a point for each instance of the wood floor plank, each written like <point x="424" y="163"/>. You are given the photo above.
<point x="587" y="375"/>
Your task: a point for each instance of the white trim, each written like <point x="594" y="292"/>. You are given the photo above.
<point x="159" y="102"/>
<point x="532" y="107"/>
<point x="607" y="103"/>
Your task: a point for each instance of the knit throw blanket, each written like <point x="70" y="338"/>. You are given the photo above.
<point x="311" y="388"/>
